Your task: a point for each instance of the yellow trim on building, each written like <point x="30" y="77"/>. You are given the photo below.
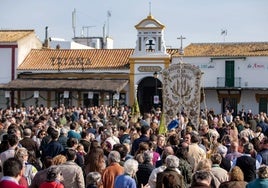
<point x="131" y="82"/>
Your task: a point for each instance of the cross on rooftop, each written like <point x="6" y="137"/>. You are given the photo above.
<point x="181" y="48"/>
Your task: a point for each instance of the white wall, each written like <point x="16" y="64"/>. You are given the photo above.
<point x="5" y="63"/>
<point x="211" y="101"/>
<point x="68" y="45"/>
<point x="140" y="75"/>
<point x="252" y="70"/>
<point x="25" y="45"/>
<point x="248" y="101"/>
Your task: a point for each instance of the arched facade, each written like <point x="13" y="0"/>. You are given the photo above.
<point x="146" y="64"/>
<point x="147" y="89"/>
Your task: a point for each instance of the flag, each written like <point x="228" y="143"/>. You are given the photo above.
<point x="223" y="32"/>
<point x="135" y="111"/>
<point x="109" y="14"/>
<point x="162" y="127"/>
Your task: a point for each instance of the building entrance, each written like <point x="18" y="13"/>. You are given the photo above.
<point x="147" y="91"/>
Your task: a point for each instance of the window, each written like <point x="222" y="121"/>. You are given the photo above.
<point x="263" y="105"/>
<point x="229" y="73"/>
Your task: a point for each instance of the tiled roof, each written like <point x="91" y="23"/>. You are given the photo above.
<point x="13" y="35"/>
<point x="52" y="59"/>
<point x="88" y="59"/>
<point x="63" y="84"/>
<point x="227" y="49"/>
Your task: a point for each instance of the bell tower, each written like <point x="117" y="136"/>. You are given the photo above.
<point x="148" y="59"/>
<point x="150" y="37"/>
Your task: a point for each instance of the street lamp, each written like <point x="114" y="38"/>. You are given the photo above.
<point x="155" y="76"/>
<point x="156" y="98"/>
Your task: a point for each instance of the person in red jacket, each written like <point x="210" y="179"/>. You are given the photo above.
<point x="12" y="170"/>
<point x="54" y="178"/>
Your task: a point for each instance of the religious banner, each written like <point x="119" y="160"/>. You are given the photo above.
<point x="181" y="92"/>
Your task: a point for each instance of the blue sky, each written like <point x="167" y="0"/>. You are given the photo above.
<point x="197" y="20"/>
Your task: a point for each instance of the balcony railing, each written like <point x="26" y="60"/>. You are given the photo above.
<point x="221" y="82"/>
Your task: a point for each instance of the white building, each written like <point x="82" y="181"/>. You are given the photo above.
<point x="235" y="74"/>
<point x="14" y="47"/>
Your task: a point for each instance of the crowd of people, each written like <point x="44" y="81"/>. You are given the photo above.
<point x="108" y="147"/>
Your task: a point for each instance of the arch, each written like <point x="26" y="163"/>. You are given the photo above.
<point x="147" y="88"/>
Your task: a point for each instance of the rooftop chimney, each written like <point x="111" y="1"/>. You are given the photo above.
<point x="46" y="43"/>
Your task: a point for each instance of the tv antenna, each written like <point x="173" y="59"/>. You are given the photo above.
<point x="87" y="30"/>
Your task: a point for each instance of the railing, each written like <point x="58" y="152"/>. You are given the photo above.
<point x="221" y="82"/>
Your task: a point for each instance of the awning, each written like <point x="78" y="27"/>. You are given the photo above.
<point x="111" y="85"/>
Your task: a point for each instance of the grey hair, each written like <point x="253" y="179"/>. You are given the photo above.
<point x="131" y="166"/>
<point x="93" y="178"/>
<point x="202" y="175"/>
<point x="108" y="133"/>
<point x="172" y="161"/>
<point x="114" y="156"/>
<point x="148" y="156"/>
<point x="20" y="153"/>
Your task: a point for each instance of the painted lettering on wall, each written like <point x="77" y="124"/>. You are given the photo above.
<point x="149" y="68"/>
<point x="206" y="66"/>
<point x="256" y="66"/>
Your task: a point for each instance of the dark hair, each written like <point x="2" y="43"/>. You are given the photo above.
<point x="54" y="134"/>
<point x="48" y="161"/>
<point x="12" y="129"/>
<point x="12" y="167"/>
<point x="194" y="138"/>
<point x="144" y="129"/>
<point x="40" y="132"/>
<point x="70" y="154"/>
<point x="182" y="152"/>
<point x="84" y="134"/>
<point x="123" y="128"/>
<point x="12" y="139"/>
<point x="93" y="160"/>
<point x="216" y="158"/>
<point x="174" y="139"/>
<point x="71" y="142"/>
<point x="94" y="144"/>
<point x="49" y="130"/>
<point x="101" y="129"/>
<point x="122" y="149"/>
<point x="73" y="126"/>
